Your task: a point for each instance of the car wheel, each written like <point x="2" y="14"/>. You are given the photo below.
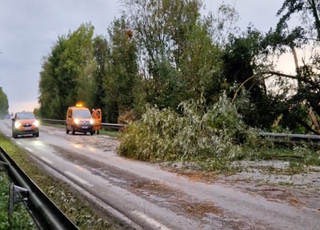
<point x="14" y="135"/>
<point x="37" y="134"/>
<point x="67" y="131"/>
<point x="73" y="131"/>
<point x="85" y="133"/>
<point x="92" y="132"/>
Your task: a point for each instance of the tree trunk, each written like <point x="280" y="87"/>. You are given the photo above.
<point x="316" y="17"/>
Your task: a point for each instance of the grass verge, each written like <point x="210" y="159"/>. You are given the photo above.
<point x="102" y="131"/>
<point x="20" y="217"/>
<point x="68" y="201"/>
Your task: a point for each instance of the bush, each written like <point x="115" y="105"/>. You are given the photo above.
<point x="207" y="135"/>
<point x="126" y="117"/>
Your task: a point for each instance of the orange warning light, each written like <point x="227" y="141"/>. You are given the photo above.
<point x="79" y="104"/>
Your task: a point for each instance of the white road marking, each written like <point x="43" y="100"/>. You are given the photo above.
<point x="19" y="143"/>
<point x="30" y="150"/>
<point x="78" y="178"/>
<point x="149" y="220"/>
<point x="46" y="160"/>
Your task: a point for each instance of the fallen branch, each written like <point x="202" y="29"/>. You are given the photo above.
<point x="286" y="156"/>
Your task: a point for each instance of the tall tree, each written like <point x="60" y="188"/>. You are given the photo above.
<point x="122" y="72"/>
<point x="66" y="75"/>
<point x="307" y="75"/>
<point x="241" y="61"/>
<point x="178" y="55"/>
<point x="101" y="54"/>
<point x="309" y="10"/>
<point x="49" y="83"/>
<point x="4" y="103"/>
<point x="161" y="30"/>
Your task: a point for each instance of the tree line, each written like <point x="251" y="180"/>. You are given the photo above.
<point x="161" y="53"/>
<point x="4" y="103"/>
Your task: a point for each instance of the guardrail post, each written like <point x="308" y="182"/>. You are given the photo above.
<point x="45" y="214"/>
<point x="2" y="168"/>
<point x="2" y="164"/>
<point x="14" y="192"/>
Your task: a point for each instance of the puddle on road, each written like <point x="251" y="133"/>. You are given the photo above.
<point x="101" y="142"/>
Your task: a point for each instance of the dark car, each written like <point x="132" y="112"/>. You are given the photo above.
<point x="25" y="123"/>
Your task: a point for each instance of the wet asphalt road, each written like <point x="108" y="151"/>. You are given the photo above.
<point x="83" y="160"/>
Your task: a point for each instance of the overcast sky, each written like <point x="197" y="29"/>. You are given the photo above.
<point x="28" y="28"/>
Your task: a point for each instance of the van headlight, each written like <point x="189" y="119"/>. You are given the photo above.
<point x="91" y="121"/>
<point x="17" y="124"/>
<point x="76" y="121"/>
<point x="36" y="123"/>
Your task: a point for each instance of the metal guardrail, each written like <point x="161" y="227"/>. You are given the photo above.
<point x="104" y="125"/>
<point x="296" y="138"/>
<point x="46" y="215"/>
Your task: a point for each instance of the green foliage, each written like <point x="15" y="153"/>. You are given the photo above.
<point x="309" y="10"/>
<point x="161" y="53"/>
<point x="201" y="133"/>
<point x="122" y="72"/>
<point x="211" y="136"/>
<point x="240" y="60"/>
<point x="179" y="58"/>
<point x="100" y="72"/>
<point x="37" y="112"/>
<point x="101" y="54"/>
<point x="4" y="103"/>
<point x="66" y="73"/>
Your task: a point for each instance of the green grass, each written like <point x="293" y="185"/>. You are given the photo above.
<point x="75" y="207"/>
<point x="20" y="217"/>
<point x="102" y="131"/>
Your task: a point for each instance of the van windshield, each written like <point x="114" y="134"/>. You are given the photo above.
<point x="81" y="113"/>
